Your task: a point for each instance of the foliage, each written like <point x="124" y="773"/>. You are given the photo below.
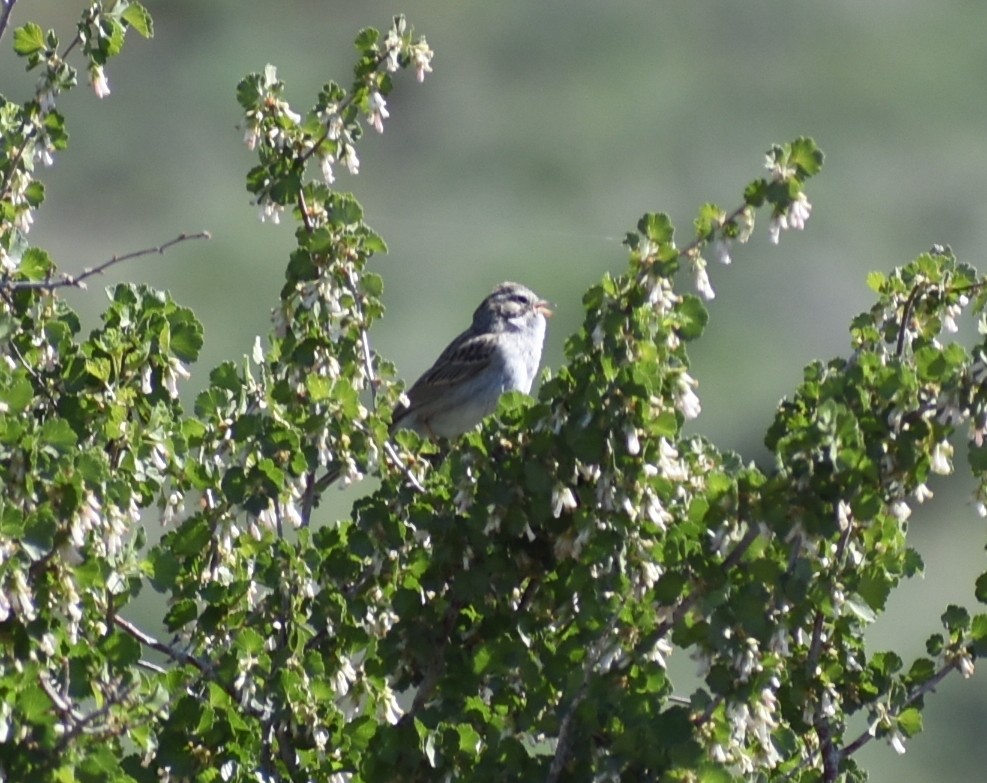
<point x="499" y="607"/>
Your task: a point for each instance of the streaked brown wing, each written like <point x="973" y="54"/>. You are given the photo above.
<point x="460" y="362"/>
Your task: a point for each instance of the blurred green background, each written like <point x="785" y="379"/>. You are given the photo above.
<point x="545" y="131"/>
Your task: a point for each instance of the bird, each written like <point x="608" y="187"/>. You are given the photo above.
<point x="499" y="352"/>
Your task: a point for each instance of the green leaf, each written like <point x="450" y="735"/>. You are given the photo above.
<point x="319" y="387"/>
<point x="806" y="155"/>
<point x="980" y="588"/>
<point x="165" y="569"/>
<point x="235" y="484"/>
<point x="138" y="17"/>
<point x="180" y="614"/>
<point x="186" y="334"/>
<point x="57" y="434"/>
<point x="693" y="317"/>
<point x="910" y="721"/>
<point x="346" y="209"/>
<point x="121" y="649"/>
<point x="657" y="227"/>
<point x="249" y="641"/>
<point x="978" y="627"/>
<point x="39" y="533"/>
<point x="956" y="618"/>
<point x="18" y="395"/>
<point x="366" y="39"/>
<point x="876" y="281"/>
<point x="708" y="220"/>
<point x="36" y="264"/>
<point x="29" y="39"/>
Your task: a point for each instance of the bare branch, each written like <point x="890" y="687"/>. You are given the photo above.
<point x="914" y="696"/>
<point x="6" y="6"/>
<point x="566" y="725"/>
<point x="205" y="667"/>
<point x="78" y="281"/>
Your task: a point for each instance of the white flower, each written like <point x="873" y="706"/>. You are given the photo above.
<point x="250" y="137"/>
<point x="633" y="442"/>
<point x="327" y="174"/>
<point x="940" y="459"/>
<point x="650" y="574"/>
<point x="745" y="223"/>
<point x="669" y="464"/>
<point x="146" y="386"/>
<point x="721" y="249"/>
<point x="562" y="500"/>
<point x="46" y="99"/>
<point x="344" y="677"/>
<point x="922" y="493"/>
<point x="843" y="514"/>
<point x="421" y="56"/>
<point x="949" y="318"/>
<point x="42" y="153"/>
<point x="23" y="220"/>
<point x="774" y="228"/>
<point x="388" y="708"/>
<point x="660" y="652"/>
<point x="686" y="400"/>
<point x="175" y="371"/>
<point x="794" y="217"/>
<point x="897" y="741"/>
<point x="965" y="665"/>
<point x="20" y="598"/>
<point x="269" y="210"/>
<point x="394" y="42"/>
<point x="655" y="511"/>
<point x="350" y="160"/>
<point x="900" y="510"/>
<point x="776" y="165"/>
<point x="798" y="212"/>
<point x="378" y="111"/>
<point x="701" y="278"/>
<point x="98" y="80"/>
<point x="746" y="661"/>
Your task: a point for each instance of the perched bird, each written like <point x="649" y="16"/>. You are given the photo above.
<point x="499" y="352"/>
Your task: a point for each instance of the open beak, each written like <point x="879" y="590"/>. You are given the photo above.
<point x="545" y="308"/>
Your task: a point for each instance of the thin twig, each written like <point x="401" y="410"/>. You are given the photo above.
<point x="731" y="560"/>
<point x="78" y="281"/>
<point x="5" y="8"/>
<point x="906" y="312"/>
<point x="79" y="723"/>
<point x="564" y="739"/>
<point x="206" y="668"/>
<point x="151" y="667"/>
<point x="344" y="104"/>
<point x="914" y="696"/>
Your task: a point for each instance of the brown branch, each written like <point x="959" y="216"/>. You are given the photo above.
<point x="205" y="668"/>
<point x="866" y="736"/>
<point x="76" y="722"/>
<point x="66" y="280"/>
<point x="906" y="312"/>
<point x="6" y="6"/>
<point x="564" y="740"/>
<point x="343" y="105"/>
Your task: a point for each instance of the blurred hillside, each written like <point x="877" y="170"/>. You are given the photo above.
<point x="545" y="131"/>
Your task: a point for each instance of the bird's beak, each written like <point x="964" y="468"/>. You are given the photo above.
<point x="545" y="308"/>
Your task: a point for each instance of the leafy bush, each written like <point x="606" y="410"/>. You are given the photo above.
<point x="500" y="607"/>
